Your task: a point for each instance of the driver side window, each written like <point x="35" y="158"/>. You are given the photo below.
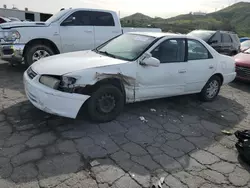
<point x="170" y="51"/>
<point x="79" y="18"/>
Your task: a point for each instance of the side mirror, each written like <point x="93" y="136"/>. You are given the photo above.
<point x="68" y="21"/>
<point x="151" y="61"/>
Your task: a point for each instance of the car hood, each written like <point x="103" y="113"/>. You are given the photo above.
<point x="242" y="58"/>
<point x="9" y="25"/>
<point x="74" y="61"/>
<point x="242" y="49"/>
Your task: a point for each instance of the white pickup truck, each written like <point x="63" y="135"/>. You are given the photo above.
<point x="68" y="30"/>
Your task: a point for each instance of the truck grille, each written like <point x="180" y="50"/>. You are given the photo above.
<point x="31" y="73"/>
<point x="243" y="71"/>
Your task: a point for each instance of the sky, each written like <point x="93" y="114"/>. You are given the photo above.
<point x="153" y="8"/>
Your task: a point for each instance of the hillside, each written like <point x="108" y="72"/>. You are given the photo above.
<point x="235" y="17"/>
<point x="136" y="17"/>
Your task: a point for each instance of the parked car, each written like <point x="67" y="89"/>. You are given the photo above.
<point x="13" y="19"/>
<point x="224" y="42"/>
<point x="129" y="68"/>
<point x="244" y="39"/>
<point x="67" y="31"/>
<point x="4" y="20"/>
<point x="244" y="45"/>
<point x="243" y="65"/>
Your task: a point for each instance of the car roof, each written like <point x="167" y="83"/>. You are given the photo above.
<point x="158" y="34"/>
<point x="92" y="9"/>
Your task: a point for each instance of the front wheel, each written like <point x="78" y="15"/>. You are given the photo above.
<point x="37" y="52"/>
<point x="211" y="89"/>
<point x="105" y="104"/>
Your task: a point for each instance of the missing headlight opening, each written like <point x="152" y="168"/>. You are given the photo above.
<point x="65" y="84"/>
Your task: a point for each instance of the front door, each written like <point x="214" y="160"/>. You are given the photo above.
<point x="215" y="42"/>
<point x="226" y="44"/>
<point x="77" y="32"/>
<point x="168" y="78"/>
<point x="201" y="66"/>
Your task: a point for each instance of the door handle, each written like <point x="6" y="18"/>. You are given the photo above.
<point x="211" y="67"/>
<point x="182" y="71"/>
<point x="88" y="31"/>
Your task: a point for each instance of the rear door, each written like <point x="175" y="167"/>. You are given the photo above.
<point x="105" y="27"/>
<point x="200" y="66"/>
<point x="77" y="32"/>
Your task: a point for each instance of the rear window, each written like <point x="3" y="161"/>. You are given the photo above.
<point x="204" y="35"/>
<point x="102" y="19"/>
<point x="235" y="38"/>
<point x="226" y="38"/>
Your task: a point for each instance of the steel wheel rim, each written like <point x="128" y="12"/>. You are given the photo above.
<point x="106" y="103"/>
<point x="212" y="89"/>
<point x="39" y="54"/>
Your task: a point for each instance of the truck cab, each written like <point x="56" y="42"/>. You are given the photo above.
<point x="68" y="30"/>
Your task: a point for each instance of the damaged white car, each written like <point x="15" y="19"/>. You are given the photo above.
<point x="129" y="68"/>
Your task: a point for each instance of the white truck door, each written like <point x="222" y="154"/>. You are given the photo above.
<point x="106" y="26"/>
<point x="77" y="32"/>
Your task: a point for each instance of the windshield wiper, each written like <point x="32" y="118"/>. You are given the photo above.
<point x="106" y="53"/>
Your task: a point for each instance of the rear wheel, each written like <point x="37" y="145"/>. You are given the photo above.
<point x="37" y="52"/>
<point x="105" y="104"/>
<point x="211" y="89"/>
<point x="233" y="53"/>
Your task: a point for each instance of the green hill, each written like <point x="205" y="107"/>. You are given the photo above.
<point x="235" y="18"/>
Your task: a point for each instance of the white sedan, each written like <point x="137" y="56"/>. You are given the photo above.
<point x="129" y="68"/>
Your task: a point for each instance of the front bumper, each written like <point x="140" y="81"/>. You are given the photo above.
<point x="243" y="73"/>
<point x="12" y="52"/>
<point x="52" y="101"/>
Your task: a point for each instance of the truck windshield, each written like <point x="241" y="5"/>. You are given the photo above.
<point x="127" y="46"/>
<point x="204" y="35"/>
<point x="56" y="16"/>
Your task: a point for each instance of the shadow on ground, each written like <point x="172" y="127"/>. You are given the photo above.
<point x="241" y="85"/>
<point x="177" y="135"/>
<point x="167" y="142"/>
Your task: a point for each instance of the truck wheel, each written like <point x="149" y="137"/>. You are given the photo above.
<point x="36" y="52"/>
<point x="211" y="89"/>
<point x="105" y="104"/>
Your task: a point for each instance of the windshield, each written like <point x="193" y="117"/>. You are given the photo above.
<point x="126" y="46"/>
<point x="56" y="16"/>
<point x="204" y="35"/>
<point x="245" y="44"/>
<point x="14" y="19"/>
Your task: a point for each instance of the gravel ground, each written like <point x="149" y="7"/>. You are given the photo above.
<point x="180" y="140"/>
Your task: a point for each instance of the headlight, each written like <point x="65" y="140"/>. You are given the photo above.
<point x="67" y="81"/>
<point x="50" y="81"/>
<point x="10" y="36"/>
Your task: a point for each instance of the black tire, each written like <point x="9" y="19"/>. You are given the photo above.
<point x="93" y="105"/>
<point x="204" y="96"/>
<point x="233" y="53"/>
<point x="34" y="48"/>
